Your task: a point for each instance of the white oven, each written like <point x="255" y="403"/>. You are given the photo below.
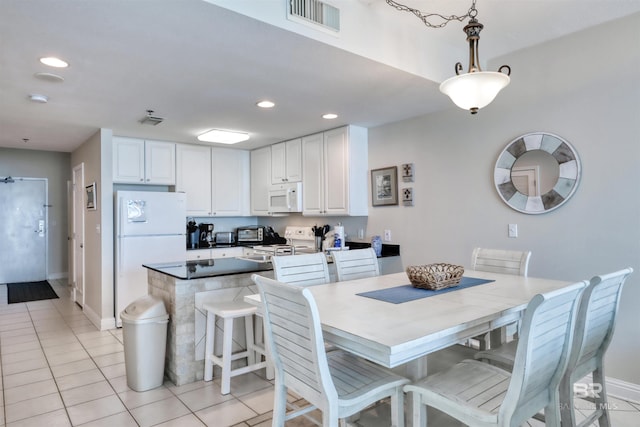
<point x="285" y="197"/>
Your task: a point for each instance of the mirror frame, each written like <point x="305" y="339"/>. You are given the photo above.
<point x="568" y="179"/>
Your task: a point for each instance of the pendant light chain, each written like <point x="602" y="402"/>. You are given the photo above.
<point x="426" y="17"/>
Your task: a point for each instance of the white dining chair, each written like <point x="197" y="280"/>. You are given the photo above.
<point x="356" y="264"/>
<point x="504" y="262"/>
<point x="480" y="394"/>
<point x="301" y="270"/>
<point x="594" y="329"/>
<point x="337" y="383"/>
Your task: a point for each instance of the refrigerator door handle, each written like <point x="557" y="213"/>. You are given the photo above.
<point x="120" y="246"/>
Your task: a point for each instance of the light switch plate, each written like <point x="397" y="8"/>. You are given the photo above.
<point x="513" y="230"/>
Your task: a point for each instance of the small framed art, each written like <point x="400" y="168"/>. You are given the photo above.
<point x="92" y="197"/>
<point x="384" y="186"/>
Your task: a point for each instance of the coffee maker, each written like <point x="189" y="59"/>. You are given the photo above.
<point x="206" y="235"/>
<point x="193" y="235"/>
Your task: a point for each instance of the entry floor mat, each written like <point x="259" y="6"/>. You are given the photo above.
<point x="29" y="291"/>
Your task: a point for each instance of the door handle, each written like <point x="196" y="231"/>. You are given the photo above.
<point x="81" y="245"/>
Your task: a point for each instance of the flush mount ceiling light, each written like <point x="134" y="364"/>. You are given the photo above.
<point x="475" y="88"/>
<point x="223" y="136"/>
<point x="36" y="97"/>
<point x="266" y="104"/>
<point x="52" y="61"/>
<point x="49" y="77"/>
<point x="330" y="116"/>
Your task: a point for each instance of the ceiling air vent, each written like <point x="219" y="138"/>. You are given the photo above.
<point x="317" y="12"/>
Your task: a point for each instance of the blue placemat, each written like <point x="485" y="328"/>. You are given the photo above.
<point x="406" y="293"/>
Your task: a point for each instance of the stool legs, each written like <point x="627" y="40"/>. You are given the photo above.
<point x="252" y="353"/>
<point x="208" y="346"/>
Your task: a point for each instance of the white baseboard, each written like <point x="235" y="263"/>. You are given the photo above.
<point x="623" y="390"/>
<point x="620" y="389"/>
<point x="100" y="323"/>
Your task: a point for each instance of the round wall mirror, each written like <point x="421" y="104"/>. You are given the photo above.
<point x="537" y="173"/>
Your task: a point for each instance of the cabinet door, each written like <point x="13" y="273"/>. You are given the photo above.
<point x="194" y="177"/>
<point x="260" y="180"/>
<point x="336" y="172"/>
<point x="226" y="252"/>
<point x="313" y="175"/>
<point x="128" y="160"/>
<point x="230" y="182"/>
<point x="278" y="163"/>
<point x="293" y="157"/>
<point x="160" y="162"/>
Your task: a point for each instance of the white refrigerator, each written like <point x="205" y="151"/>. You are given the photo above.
<point x="150" y="228"/>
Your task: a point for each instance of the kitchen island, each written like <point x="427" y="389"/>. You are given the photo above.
<point x="184" y="286"/>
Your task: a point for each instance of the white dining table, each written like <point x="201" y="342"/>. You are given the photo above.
<point x="401" y="334"/>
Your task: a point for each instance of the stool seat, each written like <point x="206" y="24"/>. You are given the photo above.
<point x="230" y="308"/>
<point x="228" y="311"/>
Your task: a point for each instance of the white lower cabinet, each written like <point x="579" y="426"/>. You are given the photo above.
<point x="216" y="180"/>
<point x="214" y="253"/>
<point x="231" y="252"/>
<point x="334" y="171"/>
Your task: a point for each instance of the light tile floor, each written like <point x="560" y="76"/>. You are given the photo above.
<point x="59" y="370"/>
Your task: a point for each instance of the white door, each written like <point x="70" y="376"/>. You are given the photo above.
<point x="23" y="242"/>
<point x="230" y="182"/>
<point x="260" y="180"/>
<point x="336" y="171"/>
<point x="193" y="176"/>
<point x="77" y="234"/>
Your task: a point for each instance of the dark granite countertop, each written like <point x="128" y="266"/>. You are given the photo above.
<point x="388" y="250"/>
<point x="201" y="269"/>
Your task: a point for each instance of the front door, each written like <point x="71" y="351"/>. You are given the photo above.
<point x="23" y="230"/>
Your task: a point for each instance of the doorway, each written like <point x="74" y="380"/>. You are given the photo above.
<point x="77" y="234"/>
<point x="23" y="235"/>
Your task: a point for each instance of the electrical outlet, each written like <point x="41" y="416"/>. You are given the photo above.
<point x="387" y="235"/>
<point x="361" y="233"/>
<point x="513" y="230"/>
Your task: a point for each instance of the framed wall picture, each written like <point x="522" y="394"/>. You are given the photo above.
<point x="92" y="197"/>
<point x="384" y="186"/>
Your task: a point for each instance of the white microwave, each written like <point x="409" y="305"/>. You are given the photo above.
<point x="285" y="197"/>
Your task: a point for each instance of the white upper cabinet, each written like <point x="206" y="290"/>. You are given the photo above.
<point x="136" y="161"/>
<point x="260" y="180"/>
<point x="230" y="182"/>
<point x="334" y="166"/>
<point x="286" y="161"/>
<point x="216" y="180"/>
<point x="194" y="177"/>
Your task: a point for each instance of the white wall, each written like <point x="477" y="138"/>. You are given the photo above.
<point x="584" y="88"/>
<point x="55" y="168"/>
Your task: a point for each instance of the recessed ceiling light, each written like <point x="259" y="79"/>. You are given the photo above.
<point x="52" y="61"/>
<point x="223" y="136"/>
<point x="36" y="97"/>
<point x="330" y="116"/>
<point x="266" y="104"/>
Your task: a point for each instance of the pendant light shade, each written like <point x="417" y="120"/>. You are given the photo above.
<point x="472" y="91"/>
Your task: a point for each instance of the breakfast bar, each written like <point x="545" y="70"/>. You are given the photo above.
<point x="183" y="286"/>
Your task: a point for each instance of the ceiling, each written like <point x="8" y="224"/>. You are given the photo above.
<point x="200" y="66"/>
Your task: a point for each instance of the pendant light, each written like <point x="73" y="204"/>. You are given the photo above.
<point x="474" y="89"/>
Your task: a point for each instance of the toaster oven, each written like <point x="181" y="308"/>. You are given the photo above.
<point x="225" y="238"/>
<point x="251" y="234"/>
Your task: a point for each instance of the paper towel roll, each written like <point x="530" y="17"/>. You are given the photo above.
<point x="339" y="232"/>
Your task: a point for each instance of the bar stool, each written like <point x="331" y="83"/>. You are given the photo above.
<point x="229" y="311"/>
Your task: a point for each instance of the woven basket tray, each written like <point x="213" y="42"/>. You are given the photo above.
<point x="435" y="276"/>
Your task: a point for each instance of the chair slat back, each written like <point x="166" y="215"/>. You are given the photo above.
<point x="356" y="264"/>
<point x="542" y="354"/>
<point x="501" y="261"/>
<point x="294" y="335"/>
<point x="597" y="317"/>
<point x="301" y="270"/>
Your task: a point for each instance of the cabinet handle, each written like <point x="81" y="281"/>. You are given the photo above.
<point x="141" y="179"/>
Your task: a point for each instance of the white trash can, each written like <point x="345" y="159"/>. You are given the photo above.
<point x="144" y="332"/>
